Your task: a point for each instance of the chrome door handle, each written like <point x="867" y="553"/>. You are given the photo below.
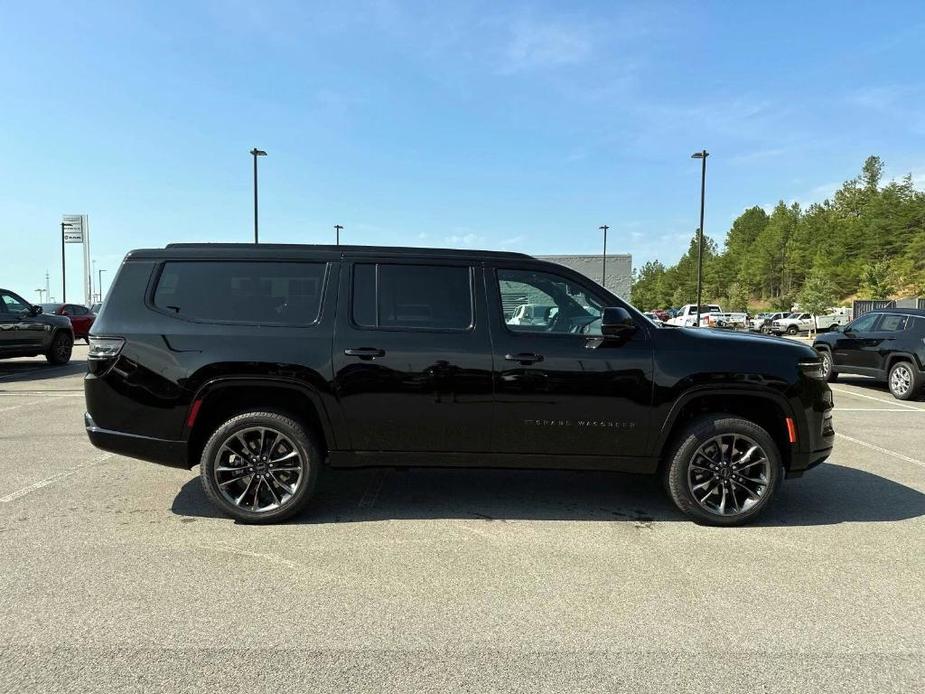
<point x="524" y="357"/>
<point x="365" y="352"/>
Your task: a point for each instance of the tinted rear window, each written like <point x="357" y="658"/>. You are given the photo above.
<point x="242" y="292"/>
<point x="412" y="296"/>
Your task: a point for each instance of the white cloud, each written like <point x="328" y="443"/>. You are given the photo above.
<point x="547" y="44"/>
<point x="468" y="239"/>
<point x="513" y="240"/>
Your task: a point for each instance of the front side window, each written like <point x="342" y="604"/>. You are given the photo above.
<point x="423" y="297"/>
<point x="279" y="293"/>
<point x="540" y="302"/>
<point x="893" y="323"/>
<point x="864" y="323"/>
<point x="10" y="303"/>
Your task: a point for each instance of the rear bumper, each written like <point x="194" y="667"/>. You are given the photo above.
<point x="161" y="451"/>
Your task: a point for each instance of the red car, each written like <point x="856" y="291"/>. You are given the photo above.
<point x="81" y="318"/>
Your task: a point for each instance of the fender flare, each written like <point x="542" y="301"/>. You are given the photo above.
<point x="903" y="356"/>
<point x="664" y="434"/>
<point x="213" y="385"/>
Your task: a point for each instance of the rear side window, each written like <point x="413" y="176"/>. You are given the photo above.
<point x="893" y="323"/>
<point x="428" y="297"/>
<point x="277" y="293"/>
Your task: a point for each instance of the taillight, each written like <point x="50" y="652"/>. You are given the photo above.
<point x="105" y="348"/>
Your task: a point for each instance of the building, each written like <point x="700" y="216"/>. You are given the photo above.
<point x="619" y="269"/>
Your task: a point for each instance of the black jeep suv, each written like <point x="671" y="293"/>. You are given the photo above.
<point x="265" y="363"/>
<point x="888" y="344"/>
<point x="27" y="332"/>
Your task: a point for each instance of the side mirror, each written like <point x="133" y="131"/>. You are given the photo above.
<point x="617" y="322"/>
<point x="65" y="313"/>
<point x="35" y="310"/>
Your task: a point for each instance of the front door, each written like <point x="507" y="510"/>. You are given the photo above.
<point x="855" y="347"/>
<point x="18" y="327"/>
<point x="559" y="388"/>
<point x="412" y="356"/>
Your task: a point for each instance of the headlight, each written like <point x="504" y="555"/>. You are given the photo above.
<point x="105" y="347"/>
<point x="813" y="369"/>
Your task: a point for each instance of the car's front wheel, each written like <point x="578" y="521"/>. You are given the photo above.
<point x="260" y="467"/>
<point x="828" y="369"/>
<point x="904" y="380"/>
<point x="59" y="352"/>
<point x="723" y="470"/>
<point x="793" y="330"/>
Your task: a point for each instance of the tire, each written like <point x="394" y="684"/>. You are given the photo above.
<point x="793" y="330"/>
<point x="291" y="482"/>
<point x="683" y="476"/>
<point x="904" y="380"/>
<point x="59" y="352"/>
<point x="829" y="374"/>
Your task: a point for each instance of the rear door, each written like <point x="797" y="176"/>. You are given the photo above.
<point x="412" y="356"/>
<point x="890" y="330"/>
<point x="558" y="390"/>
<point x="853" y="347"/>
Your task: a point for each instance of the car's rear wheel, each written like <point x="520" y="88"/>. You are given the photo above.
<point x="828" y="367"/>
<point x="60" y="350"/>
<point x="904" y="380"/>
<point x="723" y="470"/>
<point x="260" y="467"/>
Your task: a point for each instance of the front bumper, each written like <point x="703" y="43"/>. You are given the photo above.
<point x="161" y="451"/>
<point x="819" y="436"/>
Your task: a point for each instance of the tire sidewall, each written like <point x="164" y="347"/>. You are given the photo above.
<point x="915" y="381"/>
<point x="829" y="376"/>
<point x="52" y="355"/>
<point x="699" y="432"/>
<point x="300" y="437"/>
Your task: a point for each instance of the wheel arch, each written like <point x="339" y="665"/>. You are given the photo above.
<point x="767" y="409"/>
<point x="221" y="399"/>
<point x="902" y="356"/>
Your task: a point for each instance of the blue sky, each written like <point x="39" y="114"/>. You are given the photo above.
<point x="521" y="126"/>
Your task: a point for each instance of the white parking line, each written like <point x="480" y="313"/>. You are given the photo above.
<point x="895" y="403"/>
<point x="880" y="449"/>
<point x="35" y="486"/>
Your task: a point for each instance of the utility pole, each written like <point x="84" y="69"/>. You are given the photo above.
<point x="256" y="153"/>
<point x="63" y="267"/>
<point x="702" y="155"/>
<point x="604" y="228"/>
<point x="337" y="228"/>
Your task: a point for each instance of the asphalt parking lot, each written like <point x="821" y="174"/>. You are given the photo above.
<point x="117" y="575"/>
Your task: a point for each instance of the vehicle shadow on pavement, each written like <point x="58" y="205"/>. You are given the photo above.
<point x="830" y="494"/>
<point x="19" y="371"/>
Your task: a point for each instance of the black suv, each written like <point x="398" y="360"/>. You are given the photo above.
<point x="265" y="363"/>
<point x="888" y="344"/>
<point x="27" y="332"/>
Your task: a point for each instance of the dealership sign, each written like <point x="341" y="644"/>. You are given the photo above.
<point x="72" y="225"/>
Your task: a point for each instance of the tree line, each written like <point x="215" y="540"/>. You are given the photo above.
<point x="867" y="241"/>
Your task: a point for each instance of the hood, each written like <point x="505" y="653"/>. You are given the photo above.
<point x="54" y="319"/>
<point x="711" y="338"/>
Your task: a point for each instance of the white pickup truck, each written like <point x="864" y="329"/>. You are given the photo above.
<point x="711" y="316"/>
<point x="804" y="322"/>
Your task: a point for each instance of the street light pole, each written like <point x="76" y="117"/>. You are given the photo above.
<point x="256" y="153"/>
<point x="604" y="228"/>
<point x="99" y="286"/>
<point x="337" y="228"/>
<point x="702" y="156"/>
